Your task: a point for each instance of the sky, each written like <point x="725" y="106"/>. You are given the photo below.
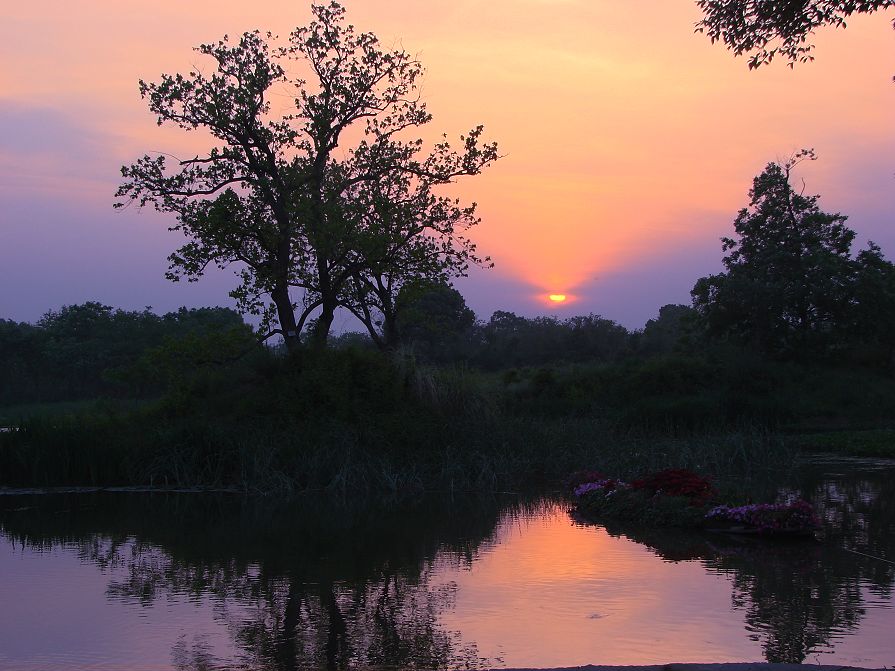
<point x="629" y="142"/>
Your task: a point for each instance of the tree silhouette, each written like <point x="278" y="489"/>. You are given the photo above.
<point x="788" y="285"/>
<point x="275" y="197"/>
<point x="765" y="28"/>
<point x="431" y="315"/>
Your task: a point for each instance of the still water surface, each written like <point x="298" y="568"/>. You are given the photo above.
<point x="187" y="581"/>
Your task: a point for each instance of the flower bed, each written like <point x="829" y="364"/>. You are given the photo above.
<point x="764" y="518"/>
<point x="680" y="498"/>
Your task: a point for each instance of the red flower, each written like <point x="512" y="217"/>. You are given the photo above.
<point x="677" y="482"/>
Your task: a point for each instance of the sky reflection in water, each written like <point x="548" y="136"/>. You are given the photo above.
<point x="184" y="582"/>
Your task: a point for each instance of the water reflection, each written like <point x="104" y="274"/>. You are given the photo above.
<point x="313" y="584"/>
<point x="297" y="586"/>
<point x="799" y="596"/>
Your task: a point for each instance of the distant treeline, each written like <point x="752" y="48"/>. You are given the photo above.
<point x="493" y="405"/>
<point x="506" y="340"/>
<point x="93" y="350"/>
<point x="792" y="291"/>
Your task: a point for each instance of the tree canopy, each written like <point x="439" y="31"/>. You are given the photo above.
<point x="791" y="286"/>
<point x="91" y="349"/>
<point x="327" y="198"/>
<point x="764" y="28"/>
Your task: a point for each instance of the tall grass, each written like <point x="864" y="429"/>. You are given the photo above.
<point x="354" y="422"/>
<point x="465" y="454"/>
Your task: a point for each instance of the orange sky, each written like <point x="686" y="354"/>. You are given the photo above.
<point x="629" y="141"/>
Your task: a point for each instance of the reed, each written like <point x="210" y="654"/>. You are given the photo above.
<point x="353" y="422"/>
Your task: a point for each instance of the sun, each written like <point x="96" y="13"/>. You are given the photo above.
<point x="557" y="298"/>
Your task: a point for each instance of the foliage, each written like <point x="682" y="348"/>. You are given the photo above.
<point x="724" y="386"/>
<point x="765" y="28"/>
<point x="873" y="313"/>
<point x="192" y="356"/>
<point x="276" y="199"/>
<point x="634" y="506"/>
<point x="791" y="288"/>
<point x="679" y="497"/>
<point x="866" y="443"/>
<point x="347" y="418"/>
<point x="668" y="332"/>
<point x="433" y="317"/>
<point x="508" y="340"/>
<point x="13" y="415"/>
<point x="89" y="350"/>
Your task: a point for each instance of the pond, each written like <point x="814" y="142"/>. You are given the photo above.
<point x="110" y="580"/>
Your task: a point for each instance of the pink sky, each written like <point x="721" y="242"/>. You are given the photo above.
<point x="630" y="142"/>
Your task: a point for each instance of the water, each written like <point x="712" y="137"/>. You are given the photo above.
<point x="187" y="581"/>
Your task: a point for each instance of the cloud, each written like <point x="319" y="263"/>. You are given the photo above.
<point x="44" y="149"/>
<point x="27" y="129"/>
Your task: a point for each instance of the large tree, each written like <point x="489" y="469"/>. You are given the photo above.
<point x="764" y="28"/>
<point x="282" y="194"/>
<point x="788" y="285"/>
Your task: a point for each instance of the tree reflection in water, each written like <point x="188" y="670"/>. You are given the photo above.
<point x="297" y="585"/>
<point x="800" y="595"/>
<point x="311" y="585"/>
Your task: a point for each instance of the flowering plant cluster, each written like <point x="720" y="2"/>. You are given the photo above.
<point x="681" y="498"/>
<point x="677" y="482"/>
<point x="583" y="477"/>
<point x="603" y="486"/>
<point x="797" y="515"/>
<point x="670" y="482"/>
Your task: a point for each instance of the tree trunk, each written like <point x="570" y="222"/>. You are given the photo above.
<point x="390" y="336"/>
<point x="286" y="315"/>
<point x="327" y="302"/>
<point x="392" y="339"/>
<point x="324" y="323"/>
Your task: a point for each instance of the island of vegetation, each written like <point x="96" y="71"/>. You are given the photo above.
<point x="682" y="498"/>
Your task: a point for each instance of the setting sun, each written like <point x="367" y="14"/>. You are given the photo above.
<point x="557" y="298"/>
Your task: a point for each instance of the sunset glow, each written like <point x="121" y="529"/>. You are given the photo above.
<point x="628" y="142"/>
<point x="471" y="302"/>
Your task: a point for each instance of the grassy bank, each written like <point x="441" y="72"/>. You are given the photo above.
<point x="15" y="415"/>
<point x="681" y="393"/>
<point x="868" y="443"/>
<point x="506" y="453"/>
<point x="354" y="420"/>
